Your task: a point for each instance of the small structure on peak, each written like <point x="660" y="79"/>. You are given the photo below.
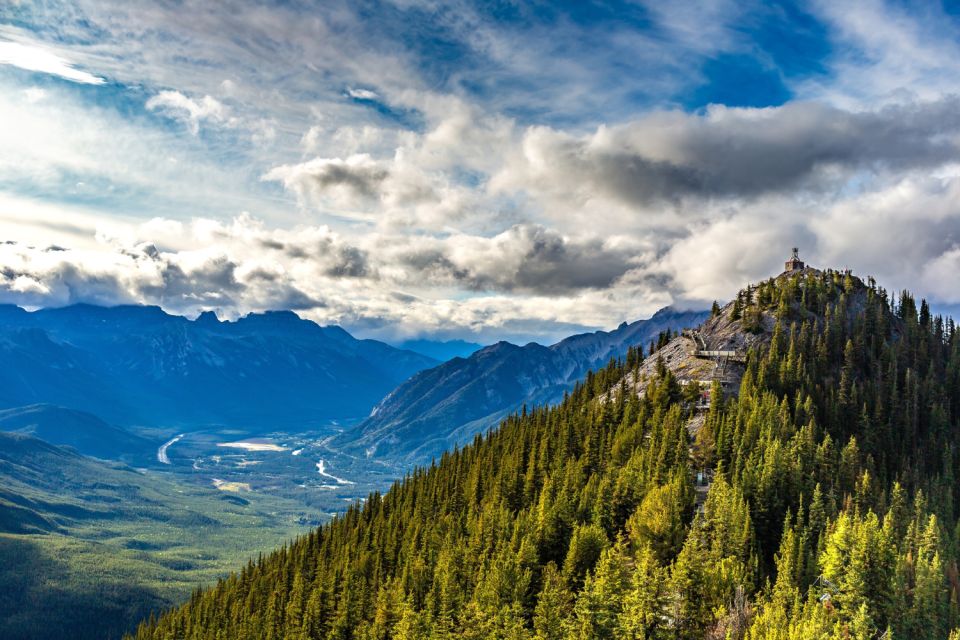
<point x="794" y="263"/>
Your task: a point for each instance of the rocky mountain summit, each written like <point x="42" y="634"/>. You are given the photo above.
<point x="767" y="314"/>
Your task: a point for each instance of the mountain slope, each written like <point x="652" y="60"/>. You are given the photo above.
<point x="447" y="405"/>
<point x="816" y="499"/>
<point x="140" y="365"/>
<point x="84" y="432"/>
<point x="87" y="547"/>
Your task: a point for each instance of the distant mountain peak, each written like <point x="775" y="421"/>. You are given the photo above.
<point x="207" y="318"/>
<point x="277" y="317"/>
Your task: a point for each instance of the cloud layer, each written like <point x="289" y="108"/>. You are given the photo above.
<point x="737" y="153"/>
<point x="242" y="266"/>
<point x="501" y="174"/>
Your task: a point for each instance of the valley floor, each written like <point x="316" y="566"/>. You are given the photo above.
<point x="88" y="547"/>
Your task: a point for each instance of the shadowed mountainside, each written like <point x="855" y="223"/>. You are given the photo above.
<point x="447" y="405"/>
<point x="140" y="365"/>
<point x="83" y="431"/>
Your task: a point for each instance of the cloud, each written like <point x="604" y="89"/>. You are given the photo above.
<point x="40" y="60"/>
<point x="886" y="52"/>
<point x="410" y="284"/>
<point x="398" y="191"/>
<point x="734" y="153"/>
<point x="905" y="232"/>
<point x="184" y="268"/>
<point x="191" y="112"/>
<point x="524" y="259"/>
<point x="63" y="151"/>
<point x="362" y="94"/>
<point x="347" y="182"/>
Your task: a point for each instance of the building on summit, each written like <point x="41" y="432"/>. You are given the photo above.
<point x="794" y="263"/>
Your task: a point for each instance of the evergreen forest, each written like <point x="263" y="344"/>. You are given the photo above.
<point x="815" y="499"/>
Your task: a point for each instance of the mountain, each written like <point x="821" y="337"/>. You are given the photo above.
<point x="87" y="547"/>
<point x="140" y="365"/>
<point x="441" y="350"/>
<point x="84" y="432"/>
<point x="787" y="471"/>
<point x="447" y="405"/>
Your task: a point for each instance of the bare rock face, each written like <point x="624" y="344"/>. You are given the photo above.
<point x="685" y="354"/>
<point x="718" y="348"/>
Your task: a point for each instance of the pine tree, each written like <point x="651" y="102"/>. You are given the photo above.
<point x="554" y="606"/>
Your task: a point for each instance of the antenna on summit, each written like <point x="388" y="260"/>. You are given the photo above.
<point x="794" y="263"/>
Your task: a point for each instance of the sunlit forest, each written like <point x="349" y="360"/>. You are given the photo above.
<point x="817" y="500"/>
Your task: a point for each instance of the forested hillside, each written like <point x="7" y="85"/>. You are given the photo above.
<point x="826" y="507"/>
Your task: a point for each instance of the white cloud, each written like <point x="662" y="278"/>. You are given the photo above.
<point x="34" y="94"/>
<point x="40" y="60"/>
<point x="191" y="112"/>
<point x="362" y="94"/>
<point x="384" y="284"/>
<point x="905" y="232"/>
<point x="345" y="183"/>
<point x="886" y="52"/>
<point x="127" y="168"/>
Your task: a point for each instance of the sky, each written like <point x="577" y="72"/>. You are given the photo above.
<point x="478" y="170"/>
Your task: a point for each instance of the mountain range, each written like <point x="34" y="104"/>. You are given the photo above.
<point x="139" y="365"/>
<point x="447" y="405"/>
<point x="77" y="375"/>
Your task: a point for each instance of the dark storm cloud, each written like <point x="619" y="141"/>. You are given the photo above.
<point x="334" y="257"/>
<point x="362" y="180"/>
<point x="214" y="282"/>
<point x="551" y="263"/>
<point x="267" y="243"/>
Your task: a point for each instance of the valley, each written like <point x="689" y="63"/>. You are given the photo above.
<point x="300" y="466"/>
<point x="111" y="543"/>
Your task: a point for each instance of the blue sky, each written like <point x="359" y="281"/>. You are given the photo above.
<point x="481" y="170"/>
